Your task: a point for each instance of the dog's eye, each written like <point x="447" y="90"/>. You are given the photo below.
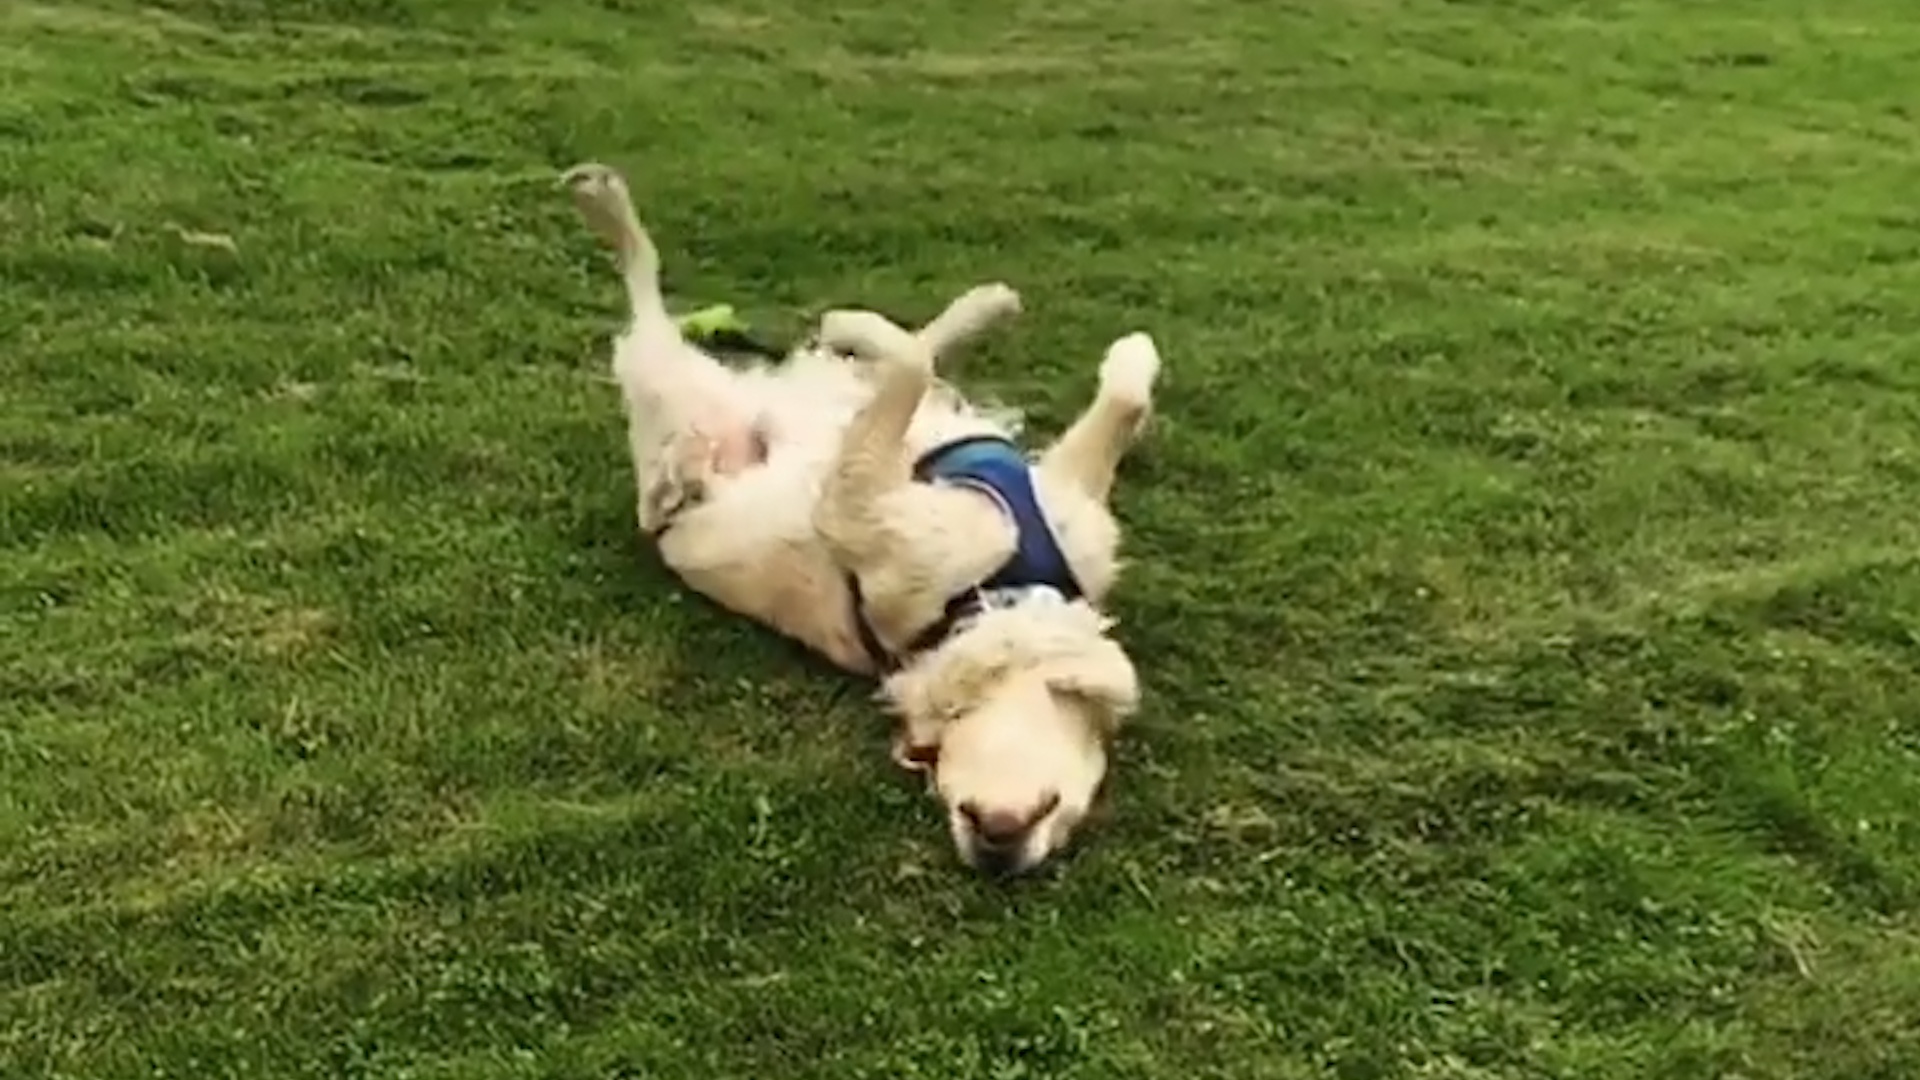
<point x="921" y="758"/>
<point x="1047" y="805"/>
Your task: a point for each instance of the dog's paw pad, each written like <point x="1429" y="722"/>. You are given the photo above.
<point x="599" y="192"/>
<point x="1129" y="370"/>
<point x="591" y="177"/>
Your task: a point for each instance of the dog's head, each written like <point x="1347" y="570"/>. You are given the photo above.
<point x="1016" y="751"/>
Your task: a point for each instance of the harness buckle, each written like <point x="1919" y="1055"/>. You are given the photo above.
<point x="1013" y="596"/>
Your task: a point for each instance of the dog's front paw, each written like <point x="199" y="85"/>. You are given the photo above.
<point x="992" y="302"/>
<point x="1128" y="373"/>
<point x="871" y="335"/>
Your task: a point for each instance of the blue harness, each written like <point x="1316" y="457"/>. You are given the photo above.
<point x="995" y="467"/>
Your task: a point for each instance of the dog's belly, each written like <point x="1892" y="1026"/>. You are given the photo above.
<point x="751" y="548"/>
<point x="750" y="545"/>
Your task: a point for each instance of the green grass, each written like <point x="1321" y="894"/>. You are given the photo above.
<point x="1527" y="575"/>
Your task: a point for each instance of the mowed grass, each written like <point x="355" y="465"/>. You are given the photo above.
<point x="1525" y="572"/>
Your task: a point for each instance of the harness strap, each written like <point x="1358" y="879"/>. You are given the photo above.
<point x="991" y="465"/>
<point x="883" y="658"/>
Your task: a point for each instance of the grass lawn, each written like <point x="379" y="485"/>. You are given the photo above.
<point x="1526" y="581"/>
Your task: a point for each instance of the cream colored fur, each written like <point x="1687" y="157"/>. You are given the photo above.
<point x="767" y="486"/>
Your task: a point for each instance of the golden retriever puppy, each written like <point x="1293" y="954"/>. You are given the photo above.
<point x="848" y="499"/>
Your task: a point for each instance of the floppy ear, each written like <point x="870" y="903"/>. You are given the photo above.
<point x="1101" y="678"/>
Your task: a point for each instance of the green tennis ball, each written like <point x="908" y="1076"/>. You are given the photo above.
<point x="711" y="321"/>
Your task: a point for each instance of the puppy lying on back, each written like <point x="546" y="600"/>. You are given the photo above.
<point x="846" y="498"/>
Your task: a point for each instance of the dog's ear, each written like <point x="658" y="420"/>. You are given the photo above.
<point x="1101" y="678"/>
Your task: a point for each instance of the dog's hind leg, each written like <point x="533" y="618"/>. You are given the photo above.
<point x="600" y="194"/>
<point x="669" y="384"/>
<point x="911" y="546"/>
<point x="1087" y="455"/>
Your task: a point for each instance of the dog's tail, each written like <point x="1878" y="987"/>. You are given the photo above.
<point x="601" y="195"/>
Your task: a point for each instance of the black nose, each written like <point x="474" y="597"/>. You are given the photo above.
<point x="995" y="861"/>
<point x="1007" y="828"/>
